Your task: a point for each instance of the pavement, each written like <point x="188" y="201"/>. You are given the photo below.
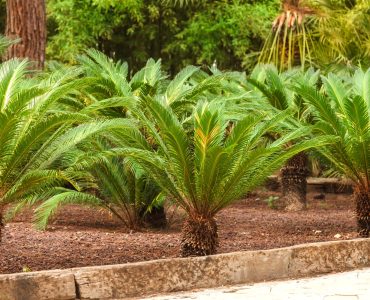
<point x="352" y="285"/>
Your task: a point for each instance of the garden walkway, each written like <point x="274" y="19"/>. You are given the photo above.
<point x="339" y="286"/>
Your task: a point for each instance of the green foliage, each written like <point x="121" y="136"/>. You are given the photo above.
<point x="343" y="33"/>
<point x="5" y="43"/>
<point x="75" y="25"/>
<point x="321" y="33"/>
<point x="99" y="177"/>
<point x="275" y="87"/>
<point x="36" y="131"/>
<point x="203" y="167"/>
<point x="341" y="109"/>
<point x="271" y="201"/>
<point x="230" y="32"/>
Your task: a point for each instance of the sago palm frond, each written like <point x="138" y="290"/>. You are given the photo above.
<point x="207" y="169"/>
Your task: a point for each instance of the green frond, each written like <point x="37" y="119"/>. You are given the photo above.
<point x="176" y="87"/>
<point x="342" y="111"/>
<point x="49" y="207"/>
<point x="11" y="76"/>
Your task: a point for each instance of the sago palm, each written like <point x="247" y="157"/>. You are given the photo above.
<point x="35" y="131"/>
<point x="342" y="109"/>
<point x="115" y="184"/>
<point x="110" y="90"/>
<point x="118" y="185"/>
<point x="111" y="93"/>
<point x="205" y="165"/>
<point x="273" y="92"/>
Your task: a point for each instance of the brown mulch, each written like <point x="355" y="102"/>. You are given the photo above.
<point x="84" y="237"/>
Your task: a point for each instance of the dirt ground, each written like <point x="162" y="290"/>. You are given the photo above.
<point x="84" y="237"/>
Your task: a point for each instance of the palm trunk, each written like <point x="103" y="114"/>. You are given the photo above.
<point x="155" y="218"/>
<point x="362" y="212"/>
<point x="294" y="182"/>
<point x="199" y="237"/>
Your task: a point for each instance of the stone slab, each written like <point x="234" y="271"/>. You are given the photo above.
<point x="56" y="285"/>
<point x="319" y="258"/>
<point x="178" y="274"/>
<point x="171" y="275"/>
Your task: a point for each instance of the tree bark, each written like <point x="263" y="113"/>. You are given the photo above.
<point x="199" y="237"/>
<point x="362" y="212"/>
<point x="26" y="20"/>
<point x="294" y="182"/>
<point x="1" y="222"/>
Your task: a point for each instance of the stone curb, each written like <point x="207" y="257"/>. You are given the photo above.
<point x="181" y="274"/>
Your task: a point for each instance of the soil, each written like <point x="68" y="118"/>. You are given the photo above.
<point x="81" y="236"/>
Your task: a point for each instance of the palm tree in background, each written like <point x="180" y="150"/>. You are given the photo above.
<point x="289" y="43"/>
<point x="321" y="33"/>
<point x="342" y="33"/>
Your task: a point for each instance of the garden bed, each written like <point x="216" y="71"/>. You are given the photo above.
<point x="84" y="237"/>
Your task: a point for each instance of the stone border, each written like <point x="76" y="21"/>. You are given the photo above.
<point x="181" y="274"/>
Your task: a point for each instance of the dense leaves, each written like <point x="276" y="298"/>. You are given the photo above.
<point x="230" y="32"/>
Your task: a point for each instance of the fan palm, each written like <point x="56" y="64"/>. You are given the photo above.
<point x="342" y="31"/>
<point x="207" y="166"/>
<point x="319" y="32"/>
<point x="342" y="110"/>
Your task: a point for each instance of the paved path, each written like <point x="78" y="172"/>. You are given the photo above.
<point x="341" y="286"/>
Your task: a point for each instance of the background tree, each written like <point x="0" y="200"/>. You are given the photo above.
<point x="227" y="31"/>
<point x="321" y="33"/>
<point x="26" y="20"/>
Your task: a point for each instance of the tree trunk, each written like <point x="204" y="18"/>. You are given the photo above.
<point x="362" y="212"/>
<point x="199" y="237"/>
<point x="1" y="222"/>
<point x="26" y="20"/>
<point x="294" y="182"/>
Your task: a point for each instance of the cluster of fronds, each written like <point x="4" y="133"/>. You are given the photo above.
<point x="94" y="135"/>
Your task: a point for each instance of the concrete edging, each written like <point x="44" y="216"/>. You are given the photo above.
<point x="181" y="274"/>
